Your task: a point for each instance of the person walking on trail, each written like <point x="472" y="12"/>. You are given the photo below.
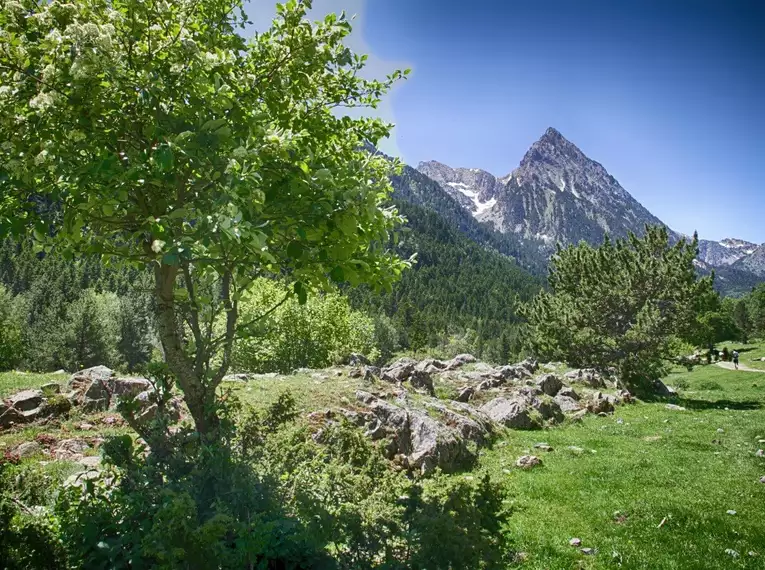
<point x="735" y="359"/>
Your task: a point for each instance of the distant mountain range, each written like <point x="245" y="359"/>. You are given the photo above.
<point x="557" y="195"/>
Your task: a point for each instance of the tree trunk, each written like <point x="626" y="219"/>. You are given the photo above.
<point x="199" y="397"/>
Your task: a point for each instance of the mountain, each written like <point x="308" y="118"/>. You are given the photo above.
<point x="558" y="194"/>
<point x="725" y="252"/>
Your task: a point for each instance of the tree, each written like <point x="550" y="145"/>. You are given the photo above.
<point x="621" y="304"/>
<point x="11" y="344"/>
<point x="756" y="307"/>
<point x="155" y="134"/>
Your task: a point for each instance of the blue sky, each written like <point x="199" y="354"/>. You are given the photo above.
<point x="668" y="95"/>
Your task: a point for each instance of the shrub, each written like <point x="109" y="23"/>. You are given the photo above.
<point x="319" y="333"/>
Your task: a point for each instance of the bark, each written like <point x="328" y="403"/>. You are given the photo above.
<point x="199" y="397"/>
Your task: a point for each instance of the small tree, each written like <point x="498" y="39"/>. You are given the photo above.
<point x="621" y="304"/>
<point x="154" y="133"/>
<point x="742" y="320"/>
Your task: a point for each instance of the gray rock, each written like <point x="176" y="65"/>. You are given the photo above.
<point x="51" y="388"/>
<point x="762" y="479"/>
<point x="92" y="388"/>
<point x="465" y="393"/>
<point x="548" y="409"/>
<point x="356" y="359"/>
<point x="404" y="370"/>
<point x="464" y="359"/>
<point x="587" y="551"/>
<point x="422" y="382"/>
<point x="431" y="365"/>
<point x="661" y="389"/>
<point x="601" y="404"/>
<point x="588" y="376"/>
<point x="10" y="416"/>
<point x="27" y="400"/>
<point x="513" y="413"/>
<point x="550" y="384"/>
<point x="129" y="387"/>
<point x="568" y="392"/>
<point x="28" y="449"/>
<point x="575" y="449"/>
<point x="543" y="446"/>
<point x="471" y="424"/>
<point x="426" y="443"/>
<point x="675" y="408"/>
<point x="760" y="453"/>
<point x="575" y="542"/>
<point x="528" y="461"/>
<point x="90" y="461"/>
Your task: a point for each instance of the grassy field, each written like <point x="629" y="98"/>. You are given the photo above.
<point x="648" y="487"/>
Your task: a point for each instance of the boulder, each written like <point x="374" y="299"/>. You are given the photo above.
<point x="568" y="392"/>
<point x="600" y="403"/>
<point x="528" y="461"/>
<point x="28" y="449"/>
<point x="424" y="442"/>
<point x="530" y="364"/>
<point x="465" y="393"/>
<point x="587" y="376"/>
<point x="550" y="384"/>
<point x="471" y="424"/>
<point x="356" y="359"/>
<point x="129" y="387"/>
<point x="662" y="390"/>
<point x="513" y="413"/>
<point x="27" y="400"/>
<point x="464" y="359"/>
<point x="431" y="366"/>
<point x="10" y="416"/>
<point x="51" y="388"/>
<point x="567" y="404"/>
<point x="548" y="409"/>
<point x="404" y="370"/>
<point x="92" y="388"/>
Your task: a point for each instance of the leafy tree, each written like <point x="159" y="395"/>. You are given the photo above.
<point x="11" y="344"/>
<point x="621" y="304"/>
<point x="91" y="331"/>
<point x="740" y="314"/>
<point x="756" y="307"/>
<point x="154" y="133"/>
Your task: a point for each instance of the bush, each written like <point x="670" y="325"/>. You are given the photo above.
<point x="272" y="497"/>
<point x="315" y="335"/>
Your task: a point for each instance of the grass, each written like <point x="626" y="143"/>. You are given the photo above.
<point x="748" y="353"/>
<point x="12" y="382"/>
<point x="656" y="465"/>
<point x="641" y="466"/>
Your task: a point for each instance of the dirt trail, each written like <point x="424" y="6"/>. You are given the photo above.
<point x="744" y="367"/>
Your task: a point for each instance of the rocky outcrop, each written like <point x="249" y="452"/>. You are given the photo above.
<point x="550" y="384"/>
<point x="512" y="413"/>
<point x="587" y="376"/>
<point x="424" y="442"/>
<point x="405" y="370"/>
<point x="99" y="388"/>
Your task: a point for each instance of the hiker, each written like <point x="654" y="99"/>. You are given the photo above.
<point x="735" y="359"/>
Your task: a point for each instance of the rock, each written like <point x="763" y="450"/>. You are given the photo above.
<point x="575" y="449"/>
<point x="626" y="396"/>
<point x="568" y="392"/>
<point x="731" y="552"/>
<point x="370" y="373"/>
<point x="27" y="400"/>
<point x="85" y="427"/>
<point x="550" y="384"/>
<point x="762" y="479"/>
<point x="464" y="359"/>
<point x="232" y="378"/>
<point x="575" y="542"/>
<point x="528" y="461"/>
<point x="675" y="407"/>
<point x="10" y="416"/>
<point x="356" y="359"/>
<point x="548" y="409"/>
<point x="130" y="387"/>
<point x="567" y="404"/>
<point x="471" y="424"/>
<point x="543" y="447"/>
<point x="28" y="449"/>
<point x="599" y="403"/>
<point x="587" y="551"/>
<point x="510" y="413"/>
<point x="661" y="389"/>
<point x="760" y="453"/>
<point x="355" y="373"/>
<point x="404" y="370"/>
<point x="730" y="512"/>
<point x="530" y="364"/>
<point x="465" y="393"/>
<point x="432" y="366"/>
<point x="90" y="461"/>
<point x="426" y="443"/>
<point x="587" y="376"/>
<point x="51" y="388"/>
<point x="92" y="388"/>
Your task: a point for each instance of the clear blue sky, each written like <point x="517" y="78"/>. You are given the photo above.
<point x="669" y="95"/>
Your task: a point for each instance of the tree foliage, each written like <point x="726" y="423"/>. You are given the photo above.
<point x="621" y="305"/>
<point x="154" y="133"/>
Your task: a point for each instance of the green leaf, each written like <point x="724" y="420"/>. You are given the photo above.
<point x="213" y="124"/>
<point x="301" y="293"/>
<point x="295" y="249"/>
<point x="337" y="274"/>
